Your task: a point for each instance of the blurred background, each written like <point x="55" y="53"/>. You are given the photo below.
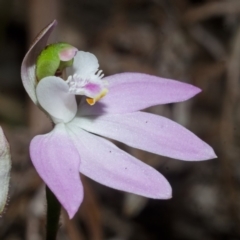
<point x="194" y="41"/>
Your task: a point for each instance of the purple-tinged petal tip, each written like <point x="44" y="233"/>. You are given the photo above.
<point x="68" y="54"/>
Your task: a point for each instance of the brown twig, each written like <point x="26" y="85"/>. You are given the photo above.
<point x="208" y="41"/>
<point x="212" y="9"/>
<point x="227" y="124"/>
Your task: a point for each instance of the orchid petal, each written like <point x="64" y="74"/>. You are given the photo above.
<point x="149" y="132"/>
<point x="129" y="92"/>
<point x="5" y="166"/>
<point x="57" y="162"/>
<point x="85" y="65"/>
<point x="103" y="162"/>
<point x="53" y="95"/>
<point x="28" y="74"/>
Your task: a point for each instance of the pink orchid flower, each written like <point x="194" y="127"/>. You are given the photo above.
<point x="75" y="145"/>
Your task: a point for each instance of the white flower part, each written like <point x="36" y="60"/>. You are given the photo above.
<point x="85" y="64"/>
<point x="5" y="166"/>
<point x="84" y="78"/>
<point x="90" y="87"/>
<point x="53" y="96"/>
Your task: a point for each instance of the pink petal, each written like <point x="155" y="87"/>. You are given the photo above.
<point x="129" y="92"/>
<point x="57" y="162"/>
<point x="54" y="97"/>
<point x="29" y="61"/>
<point x="151" y="133"/>
<point x="103" y="162"/>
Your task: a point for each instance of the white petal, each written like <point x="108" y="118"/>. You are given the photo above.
<point x="54" y="97"/>
<point x="28" y="67"/>
<point x="5" y="166"/>
<point x="85" y="64"/>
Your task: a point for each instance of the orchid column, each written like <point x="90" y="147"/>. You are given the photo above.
<point x="110" y="107"/>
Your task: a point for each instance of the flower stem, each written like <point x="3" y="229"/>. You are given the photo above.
<point x="53" y="214"/>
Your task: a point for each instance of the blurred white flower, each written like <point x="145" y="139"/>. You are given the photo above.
<point x="5" y="166"/>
